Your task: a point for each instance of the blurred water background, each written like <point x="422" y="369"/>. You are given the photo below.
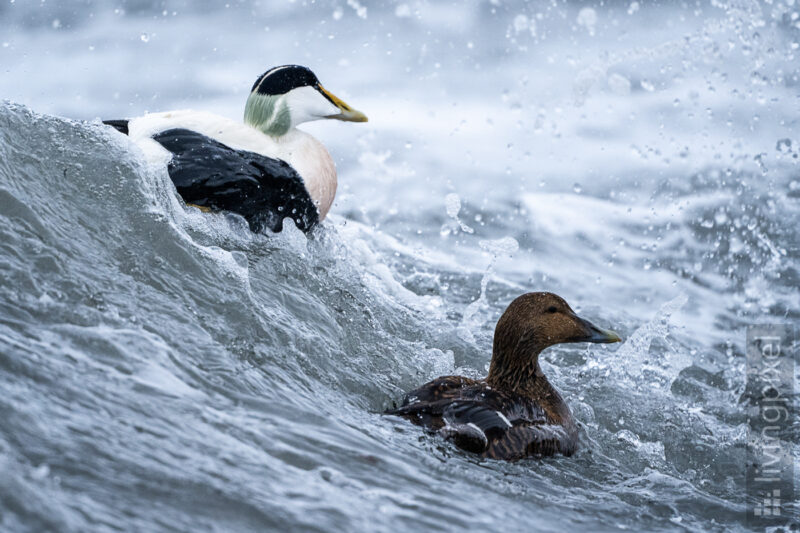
<point x="166" y="370"/>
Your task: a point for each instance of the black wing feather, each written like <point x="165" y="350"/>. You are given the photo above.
<point x="489" y="420"/>
<point x="261" y="189"/>
<point x="119" y="125"/>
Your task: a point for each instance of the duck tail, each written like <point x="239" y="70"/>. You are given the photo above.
<point x="119" y="125"/>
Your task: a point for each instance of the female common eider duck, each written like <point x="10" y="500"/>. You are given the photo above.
<point x="265" y="169"/>
<point x="515" y="412"/>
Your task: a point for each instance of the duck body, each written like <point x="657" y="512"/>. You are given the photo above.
<point x="495" y="423"/>
<point x="220" y="164"/>
<point x="515" y="412"/>
<point x="264" y="168"/>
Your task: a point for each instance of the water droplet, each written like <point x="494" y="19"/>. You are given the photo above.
<point x="402" y="11"/>
<point x="505" y="245"/>
<point x="577" y="188"/>
<point x="41" y="472"/>
<point x="360" y="10"/>
<point x="144" y="37"/>
<point x="520" y="23"/>
<point x="453" y="204"/>
<point x="784" y="146"/>
<point x="587" y="17"/>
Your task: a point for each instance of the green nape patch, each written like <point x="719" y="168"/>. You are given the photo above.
<point x="268" y="113"/>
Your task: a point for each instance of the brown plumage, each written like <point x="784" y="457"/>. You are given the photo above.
<point x="514" y="412"/>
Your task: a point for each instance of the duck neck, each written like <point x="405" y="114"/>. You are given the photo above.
<point x="268" y="114"/>
<point x="517" y="371"/>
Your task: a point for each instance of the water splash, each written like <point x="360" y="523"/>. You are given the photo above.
<point x="635" y="357"/>
<point x="452" y="203"/>
<point x="474" y="314"/>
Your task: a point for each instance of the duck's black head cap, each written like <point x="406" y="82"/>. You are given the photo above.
<point x="281" y="80"/>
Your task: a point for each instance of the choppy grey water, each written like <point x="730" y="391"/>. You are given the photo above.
<point x="162" y="369"/>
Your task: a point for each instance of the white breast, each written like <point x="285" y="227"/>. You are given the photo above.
<point x="303" y="152"/>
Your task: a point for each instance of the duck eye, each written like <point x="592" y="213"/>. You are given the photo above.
<point x="552" y="309"/>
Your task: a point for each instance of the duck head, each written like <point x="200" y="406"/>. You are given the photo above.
<point x="286" y="96"/>
<point x="530" y="324"/>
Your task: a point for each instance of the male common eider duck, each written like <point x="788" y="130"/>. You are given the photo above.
<point x="265" y="169"/>
<point x="515" y="412"/>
